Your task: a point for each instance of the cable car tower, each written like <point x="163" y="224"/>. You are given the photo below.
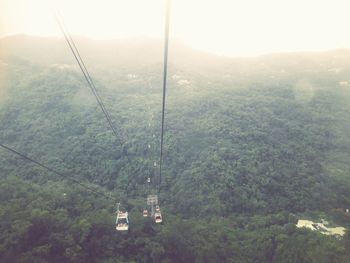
<point x="152" y="201"/>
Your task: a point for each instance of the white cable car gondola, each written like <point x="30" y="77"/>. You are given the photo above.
<point x="122" y="221"/>
<point x="145" y="213"/>
<point x="158" y="215"/>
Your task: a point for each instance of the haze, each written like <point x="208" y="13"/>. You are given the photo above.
<point x="226" y="27"/>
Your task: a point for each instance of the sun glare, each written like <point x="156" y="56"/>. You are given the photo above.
<point x="228" y="27"/>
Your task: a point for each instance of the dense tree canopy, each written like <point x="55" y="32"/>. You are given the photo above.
<point x="251" y="145"/>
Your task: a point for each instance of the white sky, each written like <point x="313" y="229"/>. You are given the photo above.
<point x="228" y="27"/>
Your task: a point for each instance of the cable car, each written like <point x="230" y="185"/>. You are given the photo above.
<point x="158" y="215"/>
<point x="122" y="221"/>
<point x="145" y="213"/>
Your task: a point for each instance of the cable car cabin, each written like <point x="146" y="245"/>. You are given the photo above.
<point x="145" y="213"/>
<point x="158" y="217"/>
<point x="122" y="222"/>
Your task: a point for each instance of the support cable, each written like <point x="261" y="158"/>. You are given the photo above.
<point x="90" y="82"/>
<point x="165" y="71"/>
<point x="66" y="176"/>
<point x="86" y="74"/>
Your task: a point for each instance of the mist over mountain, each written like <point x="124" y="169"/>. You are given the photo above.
<point x="251" y="146"/>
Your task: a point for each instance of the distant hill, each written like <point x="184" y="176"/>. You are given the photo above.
<point x="144" y="51"/>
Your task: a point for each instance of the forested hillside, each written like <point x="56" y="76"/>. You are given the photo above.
<point x="251" y="145"/>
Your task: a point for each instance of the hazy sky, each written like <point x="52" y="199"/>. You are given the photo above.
<point x="228" y="27"/>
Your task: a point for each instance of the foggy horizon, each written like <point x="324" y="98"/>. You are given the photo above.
<point x="228" y="28"/>
<point x="176" y="42"/>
